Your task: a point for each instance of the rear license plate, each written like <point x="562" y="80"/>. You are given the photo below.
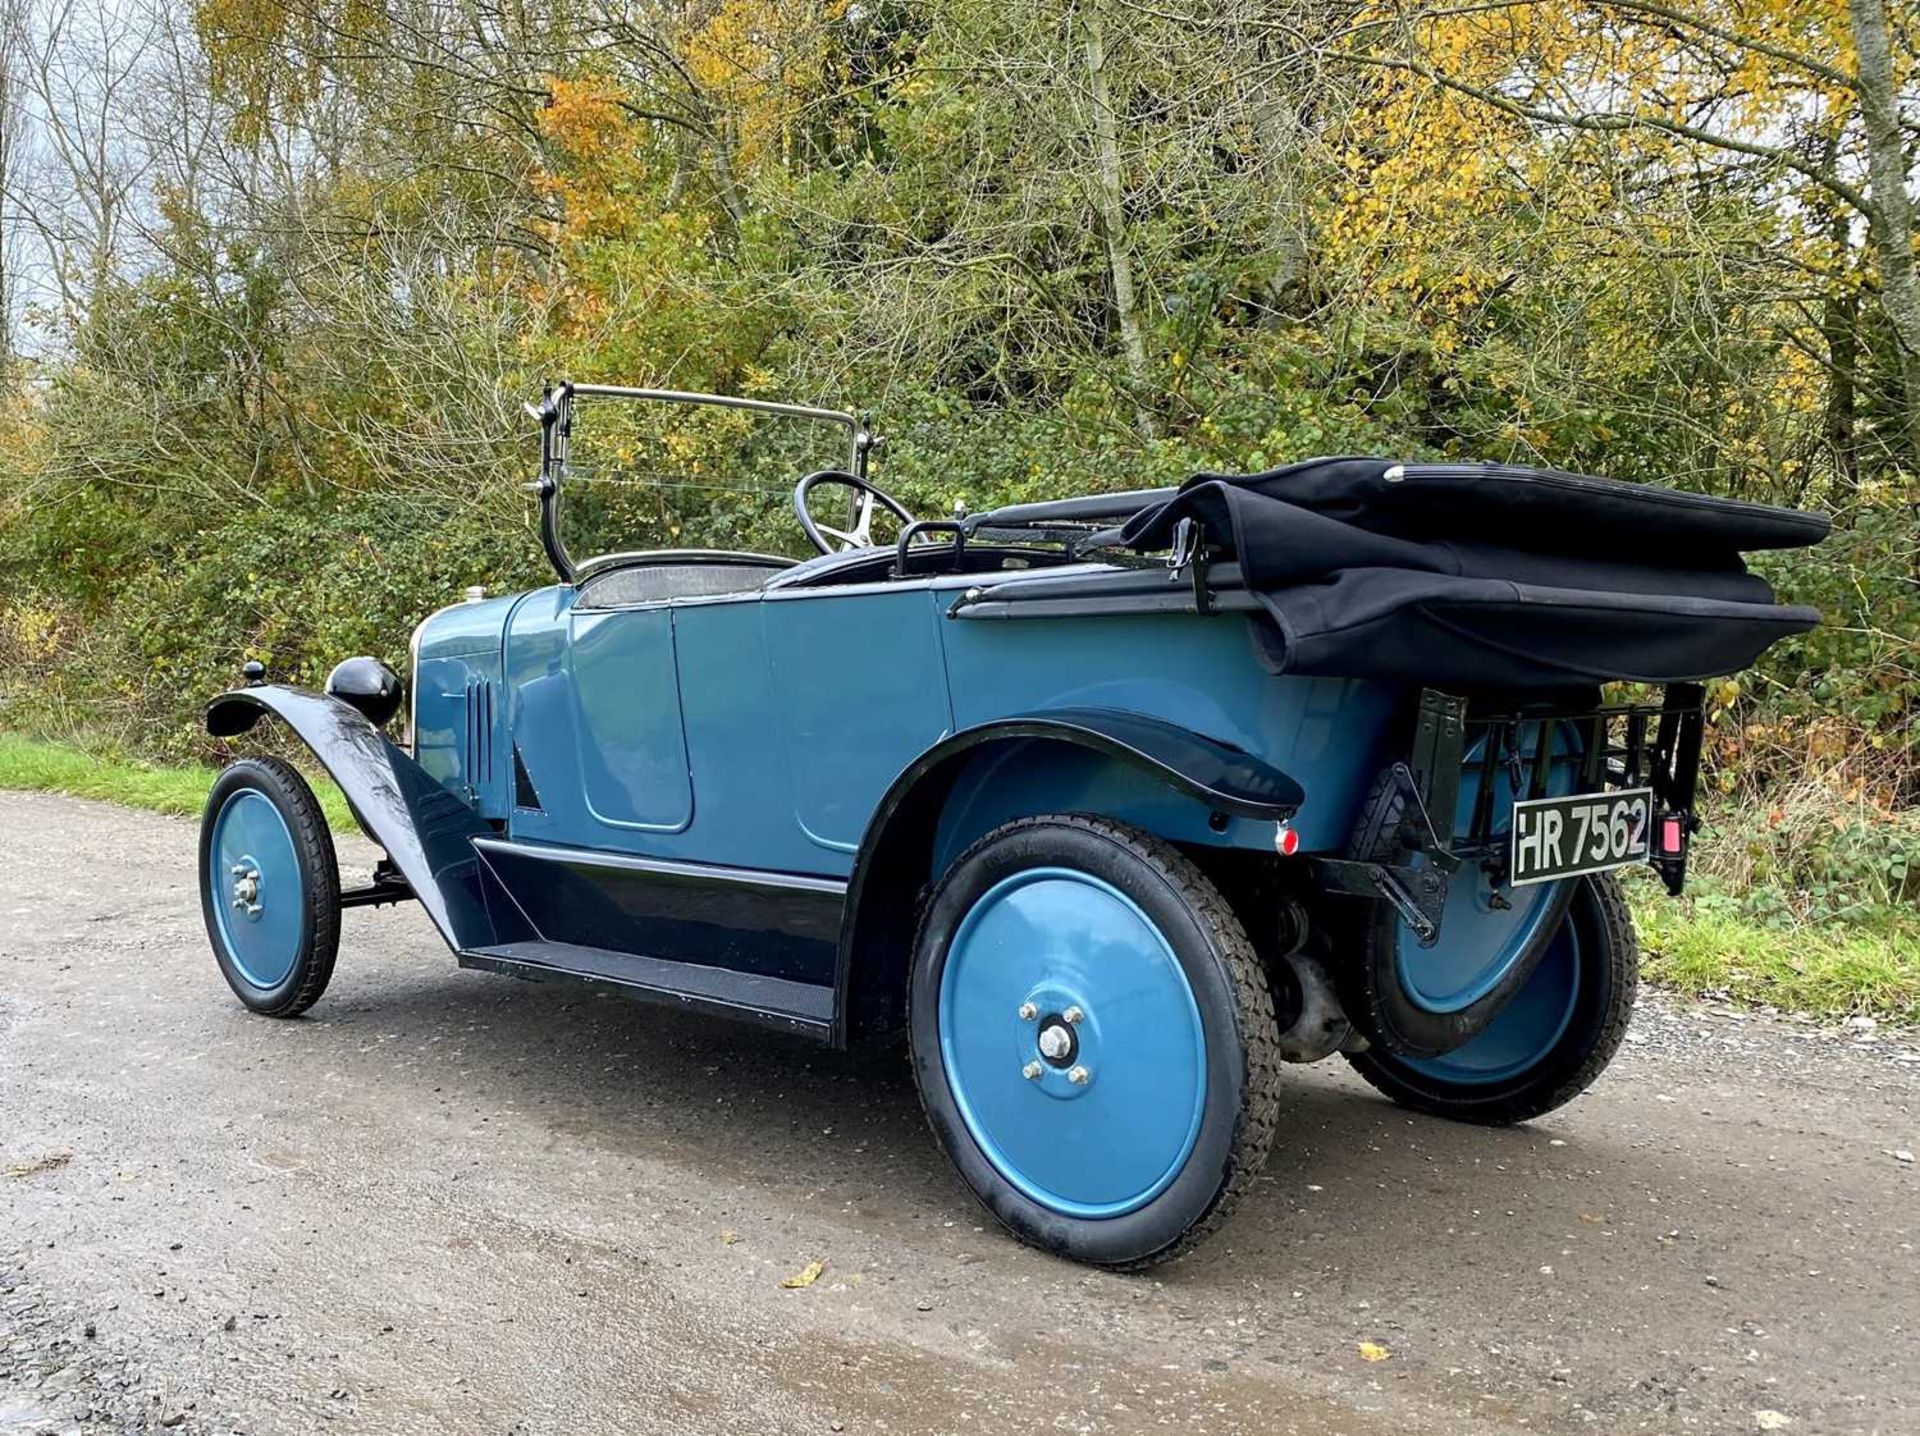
<point x="1590" y="833"/>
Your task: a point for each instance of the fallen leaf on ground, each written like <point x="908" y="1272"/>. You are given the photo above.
<point x="729" y="1236"/>
<point x="806" y="1276"/>
<point x="1771" y="1421"/>
<point x="52" y="1162"/>
<point x="1373" y="1351"/>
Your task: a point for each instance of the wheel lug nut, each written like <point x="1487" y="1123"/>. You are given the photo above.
<point x="1073" y="1014"/>
<point x="1028" y="1012"/>
<point x="1032" y="1071"/>
<point x="1079" y="1076"/>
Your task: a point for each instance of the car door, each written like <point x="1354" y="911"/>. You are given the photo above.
<point x="631" y="740"/>
<point x="861" y="692"/>
<point x="598" y="753"/>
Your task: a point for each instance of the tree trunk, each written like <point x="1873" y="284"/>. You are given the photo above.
<point x="1892" y="205"/>
<point x="1840" y="328"/>
<point x="1840" y="314"/>
<point x="9" y="110"/>
<point x="1110" y="209"/>
<point x="15" y="21"/>
<point x="726" y="185"/>
<point x="1280" y="136"/>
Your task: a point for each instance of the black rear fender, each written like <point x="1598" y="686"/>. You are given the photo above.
<point x="911" y="832"/>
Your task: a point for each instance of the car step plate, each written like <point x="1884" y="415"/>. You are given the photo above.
<point x="1589" y="833"/>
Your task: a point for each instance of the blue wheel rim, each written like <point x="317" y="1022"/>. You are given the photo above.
<point x="1527" y="1029"/>
<point x="1481" y="940"/>
<point x="253" y="875"/>
<point x="1053" y="951"/>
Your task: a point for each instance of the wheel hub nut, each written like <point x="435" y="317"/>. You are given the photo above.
<point x="1055" y="1042"/>
<point x="1032" y="1071"/>
<point x="1079" y="1076"/>
<point x="1072" y="1014"/>
<point x="246" y="890"/>
<point x="1028" y="1012"/>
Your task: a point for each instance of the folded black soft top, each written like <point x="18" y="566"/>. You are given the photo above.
<point x="1491" y="575"/>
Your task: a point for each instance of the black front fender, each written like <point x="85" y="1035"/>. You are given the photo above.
<point x="426" y="830"/>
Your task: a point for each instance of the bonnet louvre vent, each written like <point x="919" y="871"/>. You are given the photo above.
<point x="479" y="732"/>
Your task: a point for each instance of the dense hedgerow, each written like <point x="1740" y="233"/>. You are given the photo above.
<point x="1056" y="249"/>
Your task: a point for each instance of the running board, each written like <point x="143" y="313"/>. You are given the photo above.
<point x="777" y="1002"/>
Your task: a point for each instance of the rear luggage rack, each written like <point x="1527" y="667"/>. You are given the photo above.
<point x="1625" y="745"/>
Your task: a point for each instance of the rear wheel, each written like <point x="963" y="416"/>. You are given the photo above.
<point x="269" y="886"/>
<point x="1426" y="1001"/>
<point x="1093" y="1039"/>
<point x="1555" y="1035"/>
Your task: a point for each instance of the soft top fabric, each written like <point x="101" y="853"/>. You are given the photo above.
<point x="1546" y="510"/>
<point x="1490" y="575"/>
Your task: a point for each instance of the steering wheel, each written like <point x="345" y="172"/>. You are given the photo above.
<point x="866" y="495"/>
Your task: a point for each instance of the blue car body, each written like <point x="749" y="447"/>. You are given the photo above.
<point x="701" y="781"/>
<point x="726" y="779"/>
<point x="1078" y="821"/>
<point x="739" y="730"/>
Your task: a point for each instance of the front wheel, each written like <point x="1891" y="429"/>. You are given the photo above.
<point x="269" y="886"/>
<point x="1553" y="1037"/>
<point x="1093" y="1039"/>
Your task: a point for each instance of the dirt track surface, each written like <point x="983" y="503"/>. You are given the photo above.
<point x="454" y="1203"/>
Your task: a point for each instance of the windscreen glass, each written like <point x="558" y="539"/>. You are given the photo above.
<point x="650" y="474"/>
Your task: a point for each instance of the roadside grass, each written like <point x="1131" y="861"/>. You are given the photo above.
<point x="39" y="766"/>
<point x="1691" y="945"/>
<point x="1833" y="969"/>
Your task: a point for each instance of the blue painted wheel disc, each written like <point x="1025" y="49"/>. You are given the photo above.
<point x="1072" y="1043"/>
<point x="1480" y="939"/>
<point x="1527" y="1029"/>
<point x="253" y="873"/>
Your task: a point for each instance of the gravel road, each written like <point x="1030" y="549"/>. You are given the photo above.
<point x="447" y="1202"/>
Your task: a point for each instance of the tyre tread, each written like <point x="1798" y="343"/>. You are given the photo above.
<point x="1528" y="1102"/>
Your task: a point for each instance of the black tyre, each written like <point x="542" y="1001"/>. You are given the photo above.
<point x="269" y="886"/>
<point x="1093" y="1039"/>
<point x="1551" y="1040"/>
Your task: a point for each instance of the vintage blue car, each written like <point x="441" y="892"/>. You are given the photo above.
<point x="1110" y="806"/>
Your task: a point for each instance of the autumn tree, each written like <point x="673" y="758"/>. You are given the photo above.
<point x="316" y="254"/>
<point x="1795" y="103"/>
